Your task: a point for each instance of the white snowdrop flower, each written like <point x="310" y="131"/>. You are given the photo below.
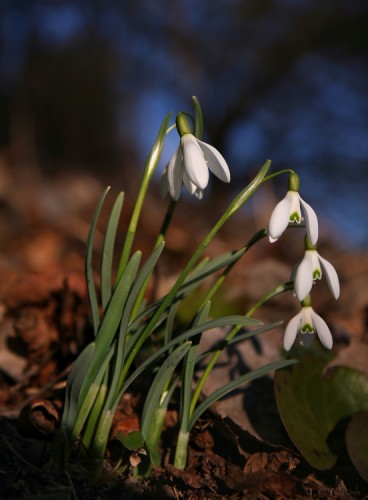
<point x="307" y="321"/>
<point x="311" y="268"/>
<point x="289" y="209"/>
<point x="190" y="164"/>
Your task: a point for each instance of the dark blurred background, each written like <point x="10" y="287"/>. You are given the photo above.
<point x="85" y="85"/>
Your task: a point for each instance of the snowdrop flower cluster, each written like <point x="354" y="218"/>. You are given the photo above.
<point x="310" y="269"/>
<point x="190" y="164"/>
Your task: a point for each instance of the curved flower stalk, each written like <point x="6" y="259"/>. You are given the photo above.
<point x="290" y="210"/>
<point x="310" y="269"/>
<point x="307" y="322"/>
<point x="190" y="164"/>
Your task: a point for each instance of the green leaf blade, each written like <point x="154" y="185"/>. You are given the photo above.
<point x="234" y="384"/>
<point x="108" y="251"/>
<point x="110" y="322"/>
<point x="91" y="288"/>
<point x="160" y="382"/>
<point x="197" y="330"/>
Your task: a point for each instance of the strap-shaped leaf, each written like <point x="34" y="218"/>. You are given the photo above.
<point x="212" y="267"/>
<point x="160" y="381"/>
<point x="133" y="294"/>
<point x="234" y="384"/>
<point x="92" y="296"/>
<point x="188" y="370"/>
<point x="170" y="297"/>
<point x="146" y="270"/>
<point x="108" y="251"/>
<point x="111" y="320"/>
<point x="222" y="344"/>
<point x="85" y="405"/>
<point x="95" y="412"/>
<point x="197" y="330"/>
<point x="150" y="310"/>
<point x="74" y="383"/>
<point x="204" y="269"/>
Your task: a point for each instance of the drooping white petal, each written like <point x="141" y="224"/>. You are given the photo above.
<point x="311" y="221"/>
<point x="189" y="185"/>
<point x="331" y="277"/>
<point x="291" y="331"/>
<point x="323" y="331"/>
<point x="199" y="193"/>
<point x="194" y="162"/>
<point x="279" y="219"/>
<point x="304" y="277"/>
<point x="175" y="174"/>
<point x="215" y="161"/>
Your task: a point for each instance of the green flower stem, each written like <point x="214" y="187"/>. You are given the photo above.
<point x="149" y="170"/>
<point x="279" y="172"/>
<point x="180" y="460"/>
<point x="217" y="284"/>
<point x="276" y="291"/>
<point x="86" y="403"/>
<point x="180" y="452"/>
<point x="234" y="206"/>
<point x="160" y="239"/>
<point x="186" y="393"/>
<point x="187" y="379"/>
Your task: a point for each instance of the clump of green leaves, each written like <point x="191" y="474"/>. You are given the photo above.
<point x="124" y="323"/>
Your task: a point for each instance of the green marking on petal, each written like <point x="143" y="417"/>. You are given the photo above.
<point x="307" y="328"/>
<point x="294" y="217"/>
<point x="317" y="275"/>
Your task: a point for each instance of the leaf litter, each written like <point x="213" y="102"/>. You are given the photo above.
<point x="235" y="451"/>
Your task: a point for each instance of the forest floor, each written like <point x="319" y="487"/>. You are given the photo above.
<point x="235" y="451"/>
